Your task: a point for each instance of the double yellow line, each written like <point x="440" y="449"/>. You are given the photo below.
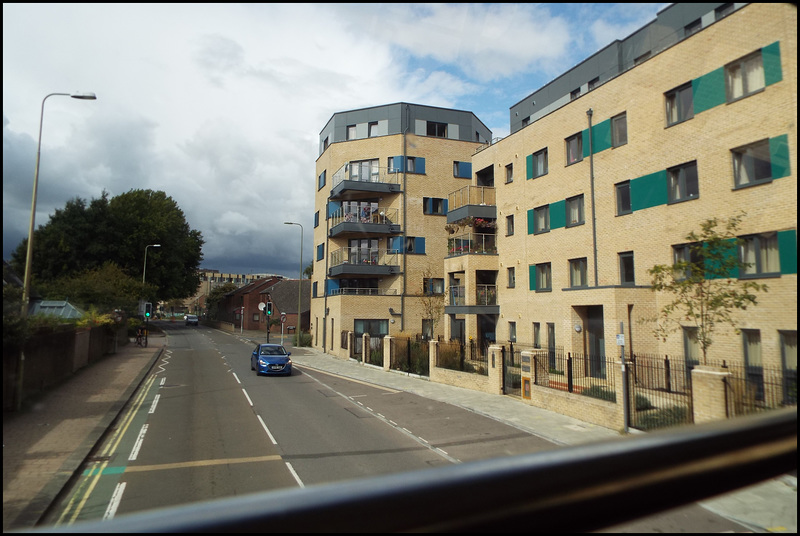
<point x="92" y="477"/>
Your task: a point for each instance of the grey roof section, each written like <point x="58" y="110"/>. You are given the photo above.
<point x="61" y="309"/>
<point x="668" y="29"/>
<point x="284" y="295"/>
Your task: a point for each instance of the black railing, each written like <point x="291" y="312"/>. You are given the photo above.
<point x="464" y="357"/>
<point x="410" y="355"/>
<point x="586" y="374"/>
<point x="608" y="483"/>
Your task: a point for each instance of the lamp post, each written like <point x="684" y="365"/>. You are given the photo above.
<point x="144" y="271"/>
<point x="26" y="285"/>
<point x="299" y="285"/>
<point x="29" y="256"/>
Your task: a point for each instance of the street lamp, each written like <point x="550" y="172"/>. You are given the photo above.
<point x="144" y="270"/>
<point x="29" y="256"/>
<point x="299" y="284"/>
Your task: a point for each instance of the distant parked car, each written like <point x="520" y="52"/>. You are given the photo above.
<point x="191" y="320"/>
<point x="271" y="359"/>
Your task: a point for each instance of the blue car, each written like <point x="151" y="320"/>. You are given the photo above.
<point x="271" y="359"/>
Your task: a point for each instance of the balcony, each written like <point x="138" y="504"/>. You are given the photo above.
<point x="472" y="243"/>
<point x="354" y="180"/>
<point x="352" y="261"/>
<point x="471" y="201"/>
<point x="351" y="221"/>
<point x="483" y="302"/>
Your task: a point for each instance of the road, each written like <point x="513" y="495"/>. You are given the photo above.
<point x="203" y="426"/>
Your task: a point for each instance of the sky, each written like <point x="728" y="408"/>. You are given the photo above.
<point x="221" y="105"/>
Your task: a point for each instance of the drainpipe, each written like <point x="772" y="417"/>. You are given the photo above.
<point x="324" y="278"/>
<point x="405" y="225"/>
<point x="591" y="182"/>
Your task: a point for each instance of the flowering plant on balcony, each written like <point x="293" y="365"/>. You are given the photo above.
<point x="485" y="224"/>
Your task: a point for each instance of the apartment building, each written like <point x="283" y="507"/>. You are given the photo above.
<point x="383" y="178"/>
<point x="610" y="166"/>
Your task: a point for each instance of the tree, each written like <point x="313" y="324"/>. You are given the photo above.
<point x="432" y="303"/>
<point x="83" y="237"/>
<point x="215" y="296"/>
<point x="104" y="289"/>
<point x="309" y="271"/>
<point x="704" y="282"/>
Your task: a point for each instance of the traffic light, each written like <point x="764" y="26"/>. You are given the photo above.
<point x="269" y="308"/>
<point x="148" y="309"/>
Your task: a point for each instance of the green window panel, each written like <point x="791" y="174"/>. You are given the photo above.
<point x="715" y="272"/>
<point x="529" y="166"/>
<point x="779" y="156"/>
<point x="532" y="277"/>
<point x="601" y="137"/>
<point x="649" y="191"/>
<point x="771" y="58"/>
<point x="585" y="142"/>
<point x="530" y="221"/>
<point x="708" y="91"/>
<point x="558" y="215"/>
<point x="787" y="251"/>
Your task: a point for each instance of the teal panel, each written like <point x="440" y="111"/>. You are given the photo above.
<point x="419" y="245"/>
<point x="558" y="215"/>
<point x="771" y="58"/>
<point x="708" y="91"/>
<point x="712" y="269"/>
<point x="532" y="277"/>
<point x="419" y="166"/>
<point x="601" y="136"/>
<point x="529" y="166"/>
<point x="585" y="142"/>
<point x="649" y="191"/>
<point x="779" y="156"/>
<point x="444" y="203"/>
<point x="331" y="284"/>
<point x="530" y="221"/>
<point x="787" y="250"/>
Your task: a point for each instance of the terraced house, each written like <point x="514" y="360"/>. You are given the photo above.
<point x="606" y="171"/>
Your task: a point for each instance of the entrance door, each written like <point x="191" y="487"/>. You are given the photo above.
<point x="596" y="342"/>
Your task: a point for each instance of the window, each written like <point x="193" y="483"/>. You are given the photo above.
<point x="255" y="317"/>
<point x="619" y="130"/>
<point x="325" y="144"/>
<point x="512" y="332"/>
<point x="320" y="252"/>
<point x="751" y="164"/>
<point x="691" y="348"/>
<point x="364" y="170"/>
<point x="433" y="285"/>
<point x="760" y="255"/>
<point x="316" y="219"/>
<point x="321" y="181"/>
<point x="789" y="366"/>
<point x="427" y="328"/>
<point x="692" y="27"/>
<point x="433" y="205"/>
<point x="574" y="94"/>
<point x="509" y="173"/>
<point x="526" y="121"/>
<point x="540" y="163"/>
<point x="575" y="211"/>
<point x="690" y="254"/>
<point x="543" y="277"/>
<point x="373" y="129"/>
<point x="412" y="164"/>
<point x="744" y="77"/>
<point x="723" y="11"/>
<point x="644" y="57"/>
<point x="415" y="245"/>
<point x="541" y="219"/>
<point x="623" y="198"/>
<point x="438" y="130"/>
<point x="512" y="277"/>
<point x="626" y="268"/>
<point x="577" y="273"/>
<point x="754" y="370"/>
<point x="462" y="170"/>
<point x="351" y="132"/>
<point x="509" y="225"/>
<point x="680" y="104"/>
<point x="537" y="335"/>
<point x="594" y="82"/>
<point x="574" y="148"/>
<point x="682" y="183"/>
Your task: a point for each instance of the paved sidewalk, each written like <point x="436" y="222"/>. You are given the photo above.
<point x="44" y="445"/>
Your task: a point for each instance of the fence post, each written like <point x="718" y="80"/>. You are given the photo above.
<point x="569" y="372"/>
<point x="667" y="374"/>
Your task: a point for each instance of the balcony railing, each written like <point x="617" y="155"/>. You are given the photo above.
<point x="365" y="256"/>
<point x="365" y="172"/>
<point x="352" y="291"/>
<point x="472" y="243"/>
<point x="484" y="295"/>
<point x="381" y="215"/>
<point x="471" y="195"/>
